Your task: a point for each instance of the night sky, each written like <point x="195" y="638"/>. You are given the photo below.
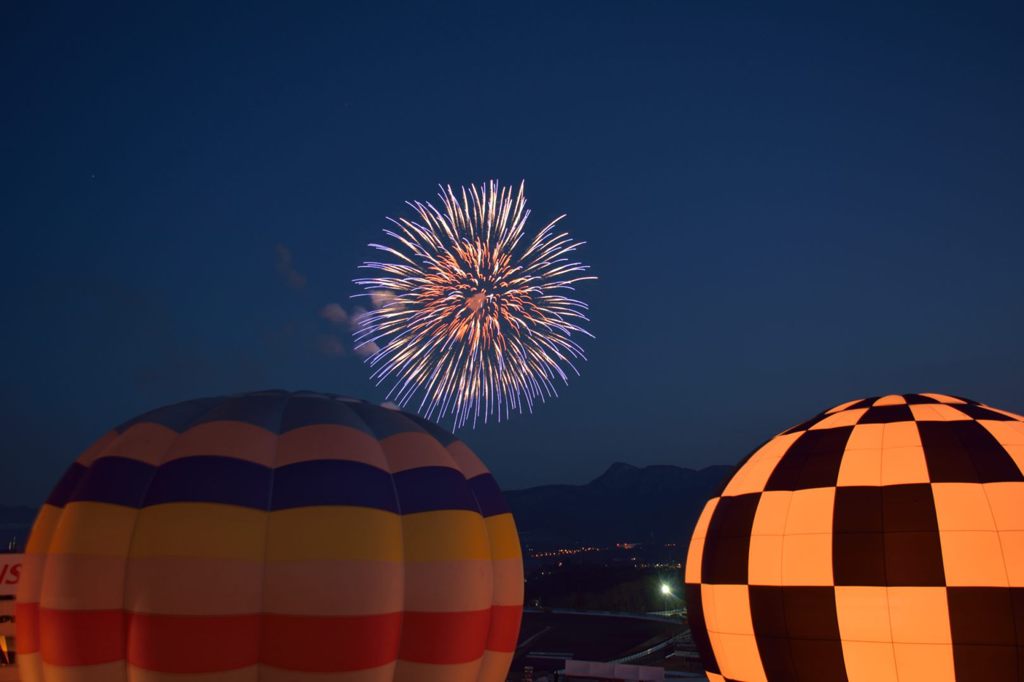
<point x="787" y="208"/>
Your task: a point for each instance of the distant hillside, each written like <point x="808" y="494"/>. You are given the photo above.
<point x="624" y="504"/>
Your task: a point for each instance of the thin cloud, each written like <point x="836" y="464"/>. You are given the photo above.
<point x="286" y="267"/>
<point x="334" y="313"/>
<point x="330" y="346"/>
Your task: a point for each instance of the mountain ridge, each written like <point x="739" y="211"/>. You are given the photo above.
<point x="656" y="503"/>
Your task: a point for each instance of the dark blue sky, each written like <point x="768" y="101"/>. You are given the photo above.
<point x="787" y="208"/>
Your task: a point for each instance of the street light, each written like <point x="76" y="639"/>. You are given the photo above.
<point x="666" y="592"/>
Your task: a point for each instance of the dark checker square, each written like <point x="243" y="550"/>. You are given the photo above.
<point x="979" y="412"/>
<point x="858" y="559"/>
<point x="811" y="612"/>
<point x="803" y="426"/>
<point x="818" y="659"/>
<point x="768" y="614"/>
<point x="981" y="615"/>
<point x="915" y="399"/>
<point x="727" y="547"/>
<point x="698" y="627"/>
<point x="914" y="559"/>
<point x="1017" y="603"/>
<point x="858" y="509"/>
<point x="812" y="461"/>
<point x="887" y="414"/>
<point x="983" y="663"/>
<point x="909" y="507"/>
<point x="965" y="452"/>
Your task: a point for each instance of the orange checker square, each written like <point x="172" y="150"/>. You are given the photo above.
<point x="1007" y="433"/>
<point x="1012" y="544"/>
<point x="919" y="615"/>
<point x="701" y="529"/>
<point x="861" y="467"/>
<point x="890" y="400"/>
<point x="810" y="511"/>
<point x="843" y="406"/>
<point x="937" y="413"/>
<point x="772" y="512"/>
<point x="1011" y="415"/>
<point x="962" y="506"/>
<point x="807" y="559"/>
<point x="947" y="399"/>
<point x="865" y="437"/>
<point x="764" y="565"/>
<point x="732" y="608"/>
<point x="694" y="558"/>
<point x="753" y="476"/>
<point x="1006" y="500"/>
<point x="715" y="677"/>
<point x="869" y="661"/>
<point x="901" y="465"/>
<point x="863" y="613"/>
<point x="847" y="418"/>
<point x="900" y="435"/>
<point x="972" y="558"/>
<point x="1016" y="452"/>
<point x="744" y="660"/>
<point x="926" y="662"/>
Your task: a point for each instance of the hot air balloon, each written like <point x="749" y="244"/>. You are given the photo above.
<point x="882" y="540"/>
<point x="272" y="536"/>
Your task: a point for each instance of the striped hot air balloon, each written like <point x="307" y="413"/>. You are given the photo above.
<point x="276" y="537"/>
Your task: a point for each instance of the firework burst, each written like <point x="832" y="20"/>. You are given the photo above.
<point x="474" y="316"/>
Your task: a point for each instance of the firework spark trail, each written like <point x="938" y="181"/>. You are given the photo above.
<point x="474" y="316"/>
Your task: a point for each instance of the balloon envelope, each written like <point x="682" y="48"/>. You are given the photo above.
<point x="272" y="536"/>
<point x="882" y="539"/>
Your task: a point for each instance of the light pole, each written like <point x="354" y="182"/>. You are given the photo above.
<point x="666" y="592"/>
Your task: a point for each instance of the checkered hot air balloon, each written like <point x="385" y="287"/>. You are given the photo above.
<point x="278" y="537"/>
<point x="882" y="540"/>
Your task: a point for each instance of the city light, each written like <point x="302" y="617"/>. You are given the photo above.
<point x="665" y="589"/>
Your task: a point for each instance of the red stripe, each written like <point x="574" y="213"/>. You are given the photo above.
<point x="444" y="638"/>
<point x="197" y="644"/>
<point x="504" y="632"/>
<point x="81" y="637"/>
<point x="193" y="644"/>
<point x="330" y="643"/>
<point x="26" y="622"/>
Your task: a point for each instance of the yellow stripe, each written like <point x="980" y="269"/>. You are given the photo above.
<point x="42" y="530"/>
<point x="200" y="529"/>
<point x="446" y="535"/>
<point x="503" y="537"/>
<point x="334" y="533"/>
<point x="94" y="529"/>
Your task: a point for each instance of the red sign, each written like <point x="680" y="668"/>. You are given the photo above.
<point x="10" y="573"/>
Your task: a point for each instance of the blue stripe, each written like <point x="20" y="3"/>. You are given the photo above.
<point x="383" y="422"/>
<point x="259" y="409"/>
<point x="177" y="417"/>
<point x="433" y="489"/>
<point x="65" y="487"/>
<point x="115" y="480"/>
<point x="488" y="495"/>
<point x="211" y="479"/>
<point x="333" y="482"/>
